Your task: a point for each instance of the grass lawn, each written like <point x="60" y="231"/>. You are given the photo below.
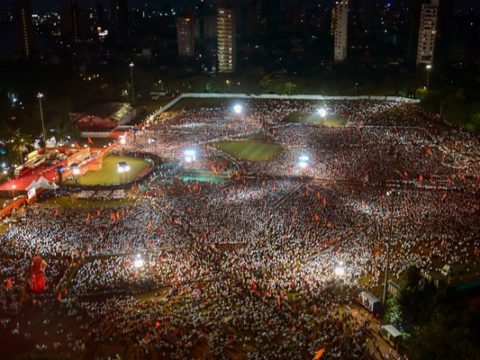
<point x="108" y="174"/>
<point x="249" y="150"/>
<point x="74" y="203"/>
<point x="314" y="119"/>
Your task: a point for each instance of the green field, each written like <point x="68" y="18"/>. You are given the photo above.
<point x="250" y="150"/>
<point x="74" y="203"/>
<point x="314" y="119"/>
<point x="108" y="174"/>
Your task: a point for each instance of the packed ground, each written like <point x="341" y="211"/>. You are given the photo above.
<point x="245" y="268"/>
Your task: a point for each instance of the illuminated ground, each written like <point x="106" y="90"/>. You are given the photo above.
<point x="331" y="120"/>
<point x="250" y="150"/>
<point x="74" y="203"/>
<point x="108" y="174"/>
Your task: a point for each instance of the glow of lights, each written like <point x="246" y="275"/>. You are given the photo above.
<point x="340" y="270"/>
<point x="75" y="169"/>
<point x="429" y="67"/>
<point x="190" y="156"/>
<point x="303" y="161"/>
<point x="123" y="140"/>
<point x="39" y="95"/>
<point x="131" y="64"/>
<point x="237" y="109"/>
<point x="138" y="262"/>
<point x="322" y="112"/>
<point x="150" y="140"/>
<point x="123" y="167"/>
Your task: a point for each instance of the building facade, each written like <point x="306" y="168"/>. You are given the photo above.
<point x="427" y="33"/>
<point x="339" y="30"/>
<point x="186" y="36"/>
<point x="226" y="40"/>
<point x="23" y="20"/>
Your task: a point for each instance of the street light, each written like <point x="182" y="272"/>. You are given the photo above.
<point x="428" y="68"/>
<point x="132" y="66"/>
<point x="40" y="97"/>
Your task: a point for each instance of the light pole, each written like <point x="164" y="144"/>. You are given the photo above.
<point x="238" y="110"/>
<point x="428" y="68"/>
<point x="132" y="66"/>
<point x="40" y="97"/>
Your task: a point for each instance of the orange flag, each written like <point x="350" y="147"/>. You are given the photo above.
<point x="89" y="140"/>
<point x="319" y="354"/>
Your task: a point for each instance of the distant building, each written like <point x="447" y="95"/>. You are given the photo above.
<point x="74" y="23"/>
<point x="186" y="36"/>
<point x="23" y="20"/>
<point x="226" y="40"/>
<point x="339" y="30"/>
<point x="119" y="15"/>
<point x="427" y="33"/>
<point x="414" y="9"/>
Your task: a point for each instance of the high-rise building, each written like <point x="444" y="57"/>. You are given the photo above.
<point x="427" y="33"/>
<point x="339" y="30"/>
<point x="414" y="9"/>
<point x="226" y="40"/>
<point x="74" y="22"/>
<point x="186" y="36"/>
<point x="119" y="15"/>
<point x="23" y="20"/>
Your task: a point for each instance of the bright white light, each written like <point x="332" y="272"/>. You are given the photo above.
<point x="150" y="140"/>
<point x="237" y="109"/>
<point x="322" y="112"/>
<point x="340" y="270"/>
<point x="123" y="167"/>
<point x="429" y="67"/>
<point x="190" y="156"/>
<point x="76" y="171"/>
<point x="138" y="262"/>
<point x="303" y="161"/>
<point x="123" y="140"/>
<point x="40" y="95"/>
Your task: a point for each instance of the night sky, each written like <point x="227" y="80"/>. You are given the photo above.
<point x="50" y="4"/>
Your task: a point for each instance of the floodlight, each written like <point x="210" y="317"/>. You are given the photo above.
<point x="238" y="109"/>
<point x="138" y="262"/>
<point x="190" y="155"/>
<point x="340" y="270"/>
<point x="322" y="112"/>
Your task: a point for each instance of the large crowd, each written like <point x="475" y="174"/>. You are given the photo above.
<point x="246" y="266"/>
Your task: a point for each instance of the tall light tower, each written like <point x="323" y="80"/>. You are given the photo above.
<point x="40" y="97"/>
<point x="132" y="66"/>
<point x="428" y="68"/>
